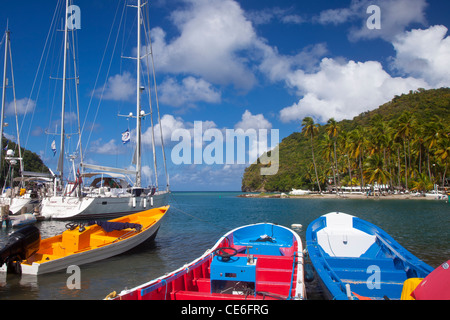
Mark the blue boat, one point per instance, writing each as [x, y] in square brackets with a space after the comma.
[356, 260]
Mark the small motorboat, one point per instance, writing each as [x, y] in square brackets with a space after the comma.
[22, 220]
[356, 260]
[26, 253]
[254, 262]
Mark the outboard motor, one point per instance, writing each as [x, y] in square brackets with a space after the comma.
[21, 245]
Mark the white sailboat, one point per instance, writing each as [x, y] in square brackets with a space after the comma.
[16, 199]
[110, 195]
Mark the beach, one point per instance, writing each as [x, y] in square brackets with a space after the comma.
[354, 196]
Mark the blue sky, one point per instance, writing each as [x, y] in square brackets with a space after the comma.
[249, 64]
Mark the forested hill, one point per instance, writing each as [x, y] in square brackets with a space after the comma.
[32, 162]
[403, 143]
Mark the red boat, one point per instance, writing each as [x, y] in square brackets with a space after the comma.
[255, 262]
[436, 286]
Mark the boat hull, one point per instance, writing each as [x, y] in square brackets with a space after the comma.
[273, 271]
[72, 208]
[355, 259]
[100, 252]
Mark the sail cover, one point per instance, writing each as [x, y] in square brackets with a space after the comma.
[111, 226]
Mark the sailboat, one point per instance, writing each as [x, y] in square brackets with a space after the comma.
[110, 195]
[16, 199]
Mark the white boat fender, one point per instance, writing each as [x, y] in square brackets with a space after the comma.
[296, 226]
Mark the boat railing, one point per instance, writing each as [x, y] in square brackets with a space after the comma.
[328, 268]
[401, 254]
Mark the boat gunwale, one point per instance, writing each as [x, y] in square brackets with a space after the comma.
[155, 284]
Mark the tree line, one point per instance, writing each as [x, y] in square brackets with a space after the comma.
[405, 153]
[403, 144]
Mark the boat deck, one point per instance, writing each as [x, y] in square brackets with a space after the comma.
[372, 278]
[273, 281]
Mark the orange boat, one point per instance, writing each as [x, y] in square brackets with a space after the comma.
[25, 253]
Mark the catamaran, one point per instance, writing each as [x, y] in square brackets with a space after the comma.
[110, 195]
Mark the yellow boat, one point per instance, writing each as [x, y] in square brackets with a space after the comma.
[80, 244]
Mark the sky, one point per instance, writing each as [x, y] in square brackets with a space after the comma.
[221, 65]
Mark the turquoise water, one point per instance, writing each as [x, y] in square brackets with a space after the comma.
[196, 221]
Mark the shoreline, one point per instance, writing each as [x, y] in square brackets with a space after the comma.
[352, 196]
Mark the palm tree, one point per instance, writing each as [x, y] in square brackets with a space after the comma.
[405, 127]
[311, 129]
[443, 153]
[332, 129]
[423, 183]
[375, 170]
[358, 137]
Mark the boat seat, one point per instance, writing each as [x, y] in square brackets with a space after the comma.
[344, 243]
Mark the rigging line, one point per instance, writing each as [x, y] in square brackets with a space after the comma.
[15, 109]
[155, 165]
[76, 95]
[157, 104]
[37, 72]
[99, 71]
[58, 66]
[52, 69]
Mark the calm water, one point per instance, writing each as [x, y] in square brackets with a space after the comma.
[197, 220]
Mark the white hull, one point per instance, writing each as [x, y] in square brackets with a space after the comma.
[67, 208]
[16, 205]
[89, 256]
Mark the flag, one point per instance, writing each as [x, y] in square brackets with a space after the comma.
[126, 137]
[54, 147]
[79, 179]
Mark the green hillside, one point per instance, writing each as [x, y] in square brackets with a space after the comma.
[32, 162]
[403, 143]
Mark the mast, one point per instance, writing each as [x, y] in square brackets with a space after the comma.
[138, 98]
[63, 104]
[5, 69]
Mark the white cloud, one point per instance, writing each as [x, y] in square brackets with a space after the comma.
[24, 106]
[277, 66]
[396, 16]
[424, 54]
[168, 124]
[343, 90]
[186, 93]
[250, 121]
[266, 16]
[121, 87]
[212, 36]
[110, 147]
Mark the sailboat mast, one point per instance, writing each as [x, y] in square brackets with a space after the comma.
[63, 104]
[138, 98]
[5, 69]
